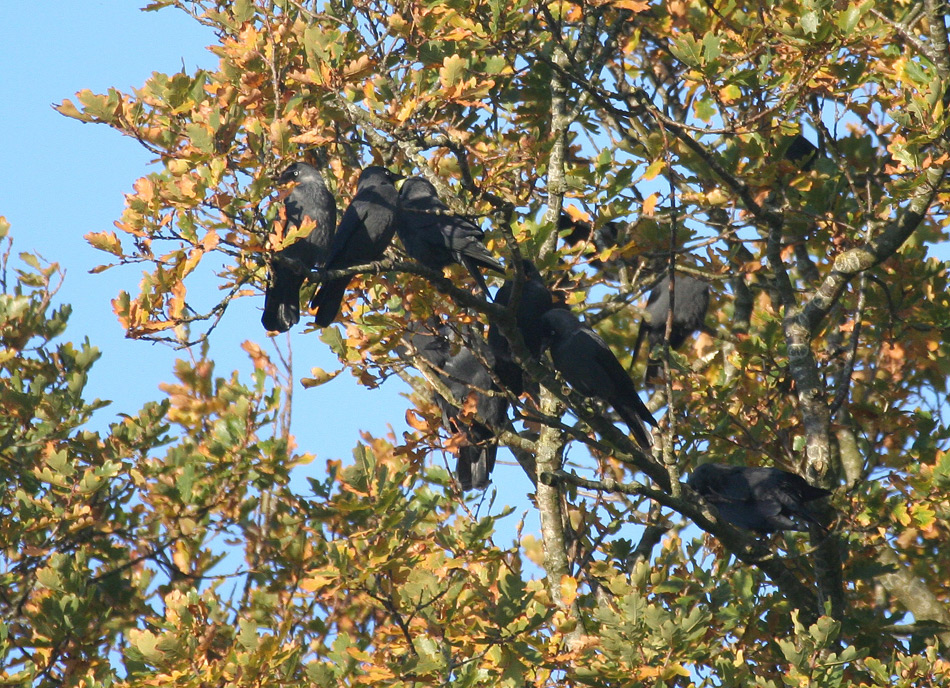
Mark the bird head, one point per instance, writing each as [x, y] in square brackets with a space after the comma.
[297, 172]
[376, 174]
[417, 188]
[701, 479]
[558, 323]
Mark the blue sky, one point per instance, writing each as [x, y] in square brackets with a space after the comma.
[62, 179]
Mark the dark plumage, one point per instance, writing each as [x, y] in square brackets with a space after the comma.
[604, 237]
[802, 152]
[607, 236]
[759, 499]
[310, 199]
[435, 237]
[366, 229]
[590, 367]
[535, 301]
[430, 341]
[465, 374]
[689, 311]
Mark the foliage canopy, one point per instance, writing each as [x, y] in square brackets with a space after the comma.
[173, 550]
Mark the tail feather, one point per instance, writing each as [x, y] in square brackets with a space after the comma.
[475, 256]
[634, 418]
[642, 330]
[653, 365]
[483, 258]
[803, 512]
[474, 466]
[328, 299]
[282, 302]
[472, 266]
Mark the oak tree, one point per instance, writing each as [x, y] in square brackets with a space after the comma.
[791, 154]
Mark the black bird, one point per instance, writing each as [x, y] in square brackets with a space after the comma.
[604, 237]
[802, 152]
[590, 367]
[435, 237]
[607, 236]
[290, 266]
[365, 231]
[535, 301]
[465, 374]
[759, 499]
[689, 312]
[430, 341]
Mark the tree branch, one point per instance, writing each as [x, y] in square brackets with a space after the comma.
[876, 250]
[556, 565]
[913, 593]
[695, 508]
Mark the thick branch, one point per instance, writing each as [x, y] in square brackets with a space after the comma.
[937, 23]
[696, 509]
[559, 123]
[875, 251]
[556, 565]
[816, 419]
[912, 593]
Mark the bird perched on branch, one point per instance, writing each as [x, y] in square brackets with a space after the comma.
[590, 367]
[759, 499]
[364, 233]
[535, 301]
[607, 236]
[435, 237]
[690, 303]
[309, 200]
[802, 152]
[467, 377]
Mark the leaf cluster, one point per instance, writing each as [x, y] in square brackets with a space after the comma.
[678, 122]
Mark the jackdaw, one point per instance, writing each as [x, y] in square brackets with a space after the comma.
[759, 499]
[590, 367]
[802, 152]
[604, 237]
[607, 236]
[435, 237]
[310, 199]
[464, 374]
[366, 229]
[535, 301]
[689, 312]
[430, 341]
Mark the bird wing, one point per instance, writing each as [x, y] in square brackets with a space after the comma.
[692, 302]
[658, 302]
[467, 243]
[616, 379]
[583, 363]
[780, 496]
[425, 211]
[729, 487]
[352, 219]
[745, 516]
